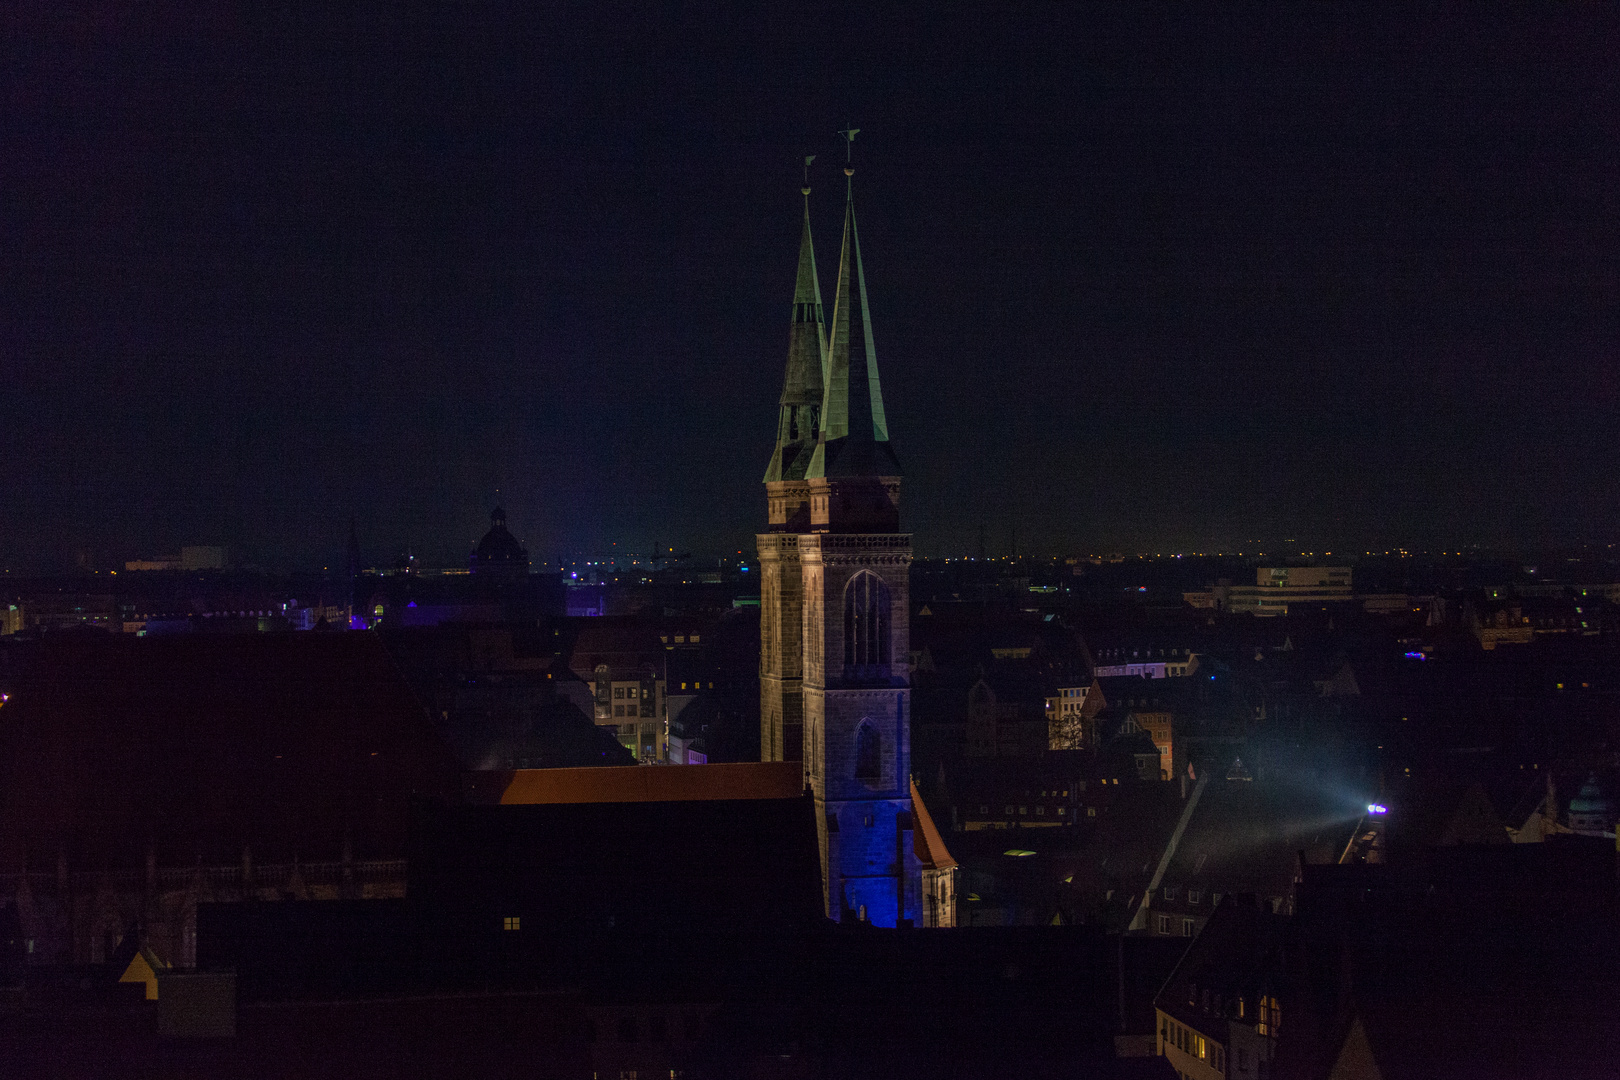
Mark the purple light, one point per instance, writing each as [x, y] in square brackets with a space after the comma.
[1376, 809]
[1416, 656]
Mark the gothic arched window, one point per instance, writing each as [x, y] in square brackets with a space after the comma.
[866, 620]
[868, 753]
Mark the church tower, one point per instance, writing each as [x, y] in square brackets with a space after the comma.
[840, 527]
[781, 668]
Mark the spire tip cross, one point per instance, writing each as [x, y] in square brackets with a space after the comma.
[849, 134]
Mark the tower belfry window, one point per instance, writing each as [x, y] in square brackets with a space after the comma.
[868, 753]
[866, 620]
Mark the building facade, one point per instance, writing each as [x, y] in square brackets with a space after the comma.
[835, 686]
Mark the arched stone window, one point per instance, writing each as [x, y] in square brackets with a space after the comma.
[868, 753]
[866, 620]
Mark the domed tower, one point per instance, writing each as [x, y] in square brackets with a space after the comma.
[499, 556]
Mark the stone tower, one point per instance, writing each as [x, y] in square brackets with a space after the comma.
[854, 601]
[781, 668]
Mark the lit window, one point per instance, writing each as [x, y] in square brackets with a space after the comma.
[1061, 811]
[1091, 811]
[512, 922]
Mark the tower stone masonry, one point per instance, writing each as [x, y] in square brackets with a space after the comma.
[835, 600]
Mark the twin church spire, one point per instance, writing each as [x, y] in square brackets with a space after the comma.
[831, 421]
[799, 416]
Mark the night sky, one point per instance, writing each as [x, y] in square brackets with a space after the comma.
[1142, 277]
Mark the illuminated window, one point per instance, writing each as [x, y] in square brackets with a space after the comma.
[1270, 1017]
[512, 922]
[618, 691]
[1062, 811]
[1091, 811]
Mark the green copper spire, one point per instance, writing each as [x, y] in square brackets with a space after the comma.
[854, 438]
[799, 417]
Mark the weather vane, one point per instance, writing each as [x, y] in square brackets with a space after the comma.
[808, 159]
[849, 134]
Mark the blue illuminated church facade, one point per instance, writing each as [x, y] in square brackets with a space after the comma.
[835, 688]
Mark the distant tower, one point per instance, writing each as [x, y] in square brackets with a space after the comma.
[781, 700]
[354, 567]
[499, 556]
[854, 568]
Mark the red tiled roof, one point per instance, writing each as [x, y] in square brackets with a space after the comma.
[925, 838]
[673, 783]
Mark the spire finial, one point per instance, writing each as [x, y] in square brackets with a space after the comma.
[849, 134]
[807, 160]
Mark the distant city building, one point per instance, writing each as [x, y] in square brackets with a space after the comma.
[1168, 664]
[499, 555]
[1275, 588]
[632, 704]
[204, 558]
[1066, 717]
[153, 564]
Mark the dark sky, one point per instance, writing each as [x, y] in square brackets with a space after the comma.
[1142, 277]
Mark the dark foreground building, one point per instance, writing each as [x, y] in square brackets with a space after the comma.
[576, 939]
